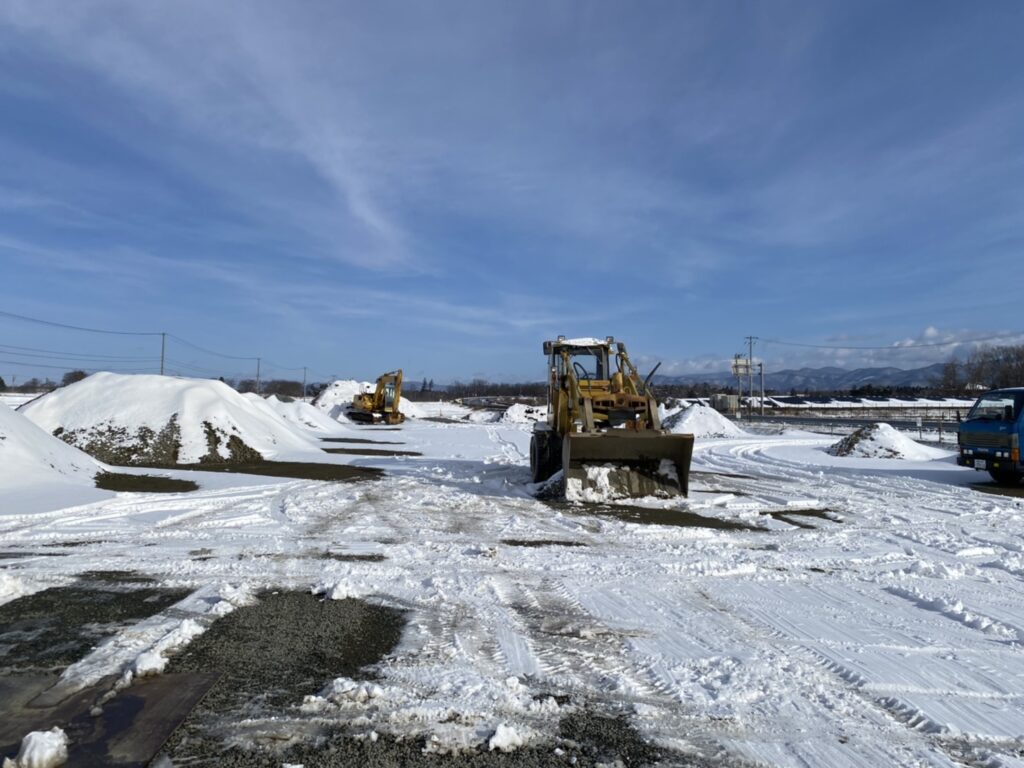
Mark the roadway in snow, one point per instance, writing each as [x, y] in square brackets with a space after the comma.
[863, 612]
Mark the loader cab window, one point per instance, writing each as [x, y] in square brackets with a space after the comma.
[590, 363]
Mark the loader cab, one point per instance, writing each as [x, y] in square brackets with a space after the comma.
[588, 363]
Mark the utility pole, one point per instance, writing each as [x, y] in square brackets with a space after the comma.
[760, 365]
[163, 350]
[750, 374]
[303, 382]
[258, 375]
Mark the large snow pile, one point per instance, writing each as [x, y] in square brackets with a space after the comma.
[163, 420]
[336, 399]
[31, 458]
[297, 413]
[524, 414]
[701, 421]
[881, 441]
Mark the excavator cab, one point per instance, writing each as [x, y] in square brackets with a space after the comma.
[603, 431]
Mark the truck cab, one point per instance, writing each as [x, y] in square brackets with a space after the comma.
[990, 436]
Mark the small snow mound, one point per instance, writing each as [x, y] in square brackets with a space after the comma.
[505, 738]
[10, 587]
[881, 441]
[701, 421]
[523, 414]
[484, 417]
[164, 419]
[41, 749]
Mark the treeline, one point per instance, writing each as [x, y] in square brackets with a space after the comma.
[481, 388]
[985, 368]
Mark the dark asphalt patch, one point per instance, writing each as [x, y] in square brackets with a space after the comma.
[270, 655]
[353, 557]
[541, 543]
[112, 481]
[51, 629]
[360, 441]
[587, 740]
[647, 516]
[369, 452]
[291, 644]
[22, 555]
[294, 469]
[127, 733]
[790, 516]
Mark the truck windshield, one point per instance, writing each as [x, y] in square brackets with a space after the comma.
[993, 405]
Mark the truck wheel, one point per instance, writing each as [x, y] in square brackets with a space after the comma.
[1005, 476]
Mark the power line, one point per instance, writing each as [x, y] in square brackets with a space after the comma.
[207, 351]
[65, 367]
[75, 327]
[72, 356]
[894, 346]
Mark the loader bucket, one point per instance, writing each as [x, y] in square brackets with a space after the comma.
[622, 465]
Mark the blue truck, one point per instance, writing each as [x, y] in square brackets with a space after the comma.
[990, 437]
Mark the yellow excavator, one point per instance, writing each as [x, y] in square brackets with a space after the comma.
[381, 405]
[603, 431]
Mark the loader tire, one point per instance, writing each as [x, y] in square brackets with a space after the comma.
[544, 459]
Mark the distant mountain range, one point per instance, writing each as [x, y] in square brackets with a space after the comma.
[829, 379]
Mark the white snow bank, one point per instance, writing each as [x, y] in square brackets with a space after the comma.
[39, 473]
[28, 455]
[881, 441]
[524, 414]
[702, 421]
[41, 749]
[336, 399]
[298, 414]
[118, 408]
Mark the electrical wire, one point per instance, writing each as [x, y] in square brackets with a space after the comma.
[72, 357]
[75, 327]
[207, 351]
[88, 370]
[47, 354]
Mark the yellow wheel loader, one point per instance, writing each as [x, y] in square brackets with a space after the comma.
[381, 405]
[603, 431]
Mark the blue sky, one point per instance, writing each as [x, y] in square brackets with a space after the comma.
[441, 186]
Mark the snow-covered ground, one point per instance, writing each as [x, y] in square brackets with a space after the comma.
[859, 612]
